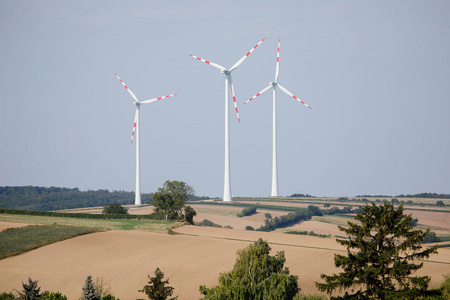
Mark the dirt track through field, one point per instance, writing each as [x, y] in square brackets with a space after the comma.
[190, 259]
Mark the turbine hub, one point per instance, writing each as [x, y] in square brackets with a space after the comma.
[136, 103]
[226, 72]
[274, 84]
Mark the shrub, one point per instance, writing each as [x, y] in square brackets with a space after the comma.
[189, 214]
[249, 228]
[114, 209]
[248, 211]
[7, 296]
[209, 223]
[431, 238]
[297, 232]
[53, 296]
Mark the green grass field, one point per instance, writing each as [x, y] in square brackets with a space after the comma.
[47, 230]
[146, 225]
[14, 241]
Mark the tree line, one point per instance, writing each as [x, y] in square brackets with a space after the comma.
[420, 195]
[56, 198]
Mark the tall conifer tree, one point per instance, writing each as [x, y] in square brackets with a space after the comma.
[382, 254]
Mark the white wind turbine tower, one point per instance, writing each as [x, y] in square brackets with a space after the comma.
[228, 86]
[274, 85]
[137, 199]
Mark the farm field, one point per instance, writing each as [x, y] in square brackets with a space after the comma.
[133, 249]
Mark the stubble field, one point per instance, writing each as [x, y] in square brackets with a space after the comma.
[196, 256]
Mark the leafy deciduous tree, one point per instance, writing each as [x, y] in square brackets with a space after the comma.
[156, 288]
[7, 296]
[381, 254]
[255, 275]
[171, 198]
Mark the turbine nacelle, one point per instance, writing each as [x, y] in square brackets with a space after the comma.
[137, 103]
[226, 72]
[273, 84]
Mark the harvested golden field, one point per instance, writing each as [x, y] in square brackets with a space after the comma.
[190, 259]
[194, 257]
[5, 225]
[227, 215]
[434, 220]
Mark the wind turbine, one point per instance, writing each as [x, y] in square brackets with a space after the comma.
[228, 86]
[137, 199]
[274, 85]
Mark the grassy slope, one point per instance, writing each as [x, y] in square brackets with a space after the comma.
[15, 241]
[146, 225]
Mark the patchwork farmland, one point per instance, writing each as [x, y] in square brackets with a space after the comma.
[125, 254]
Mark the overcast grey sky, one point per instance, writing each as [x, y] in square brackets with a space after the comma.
[376, 74]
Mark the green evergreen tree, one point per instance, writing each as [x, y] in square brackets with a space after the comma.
[381, 253]
[255, 275]
[89, 290]
[31, 291]
[156, 288]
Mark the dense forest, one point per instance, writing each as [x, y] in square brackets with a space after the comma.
[55, 198]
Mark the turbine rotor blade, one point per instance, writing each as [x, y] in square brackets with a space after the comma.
[277, 70]
[209, 63]
[156, 99]
[292, 95]
[129, 91]
[134, 125]
[260, 93]
[234, 97]
[245, 56]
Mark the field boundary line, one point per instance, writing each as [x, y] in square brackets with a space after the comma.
[272, 243]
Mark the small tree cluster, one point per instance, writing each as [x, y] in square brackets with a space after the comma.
[290, 219]
[171, 198]
[248, 211]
